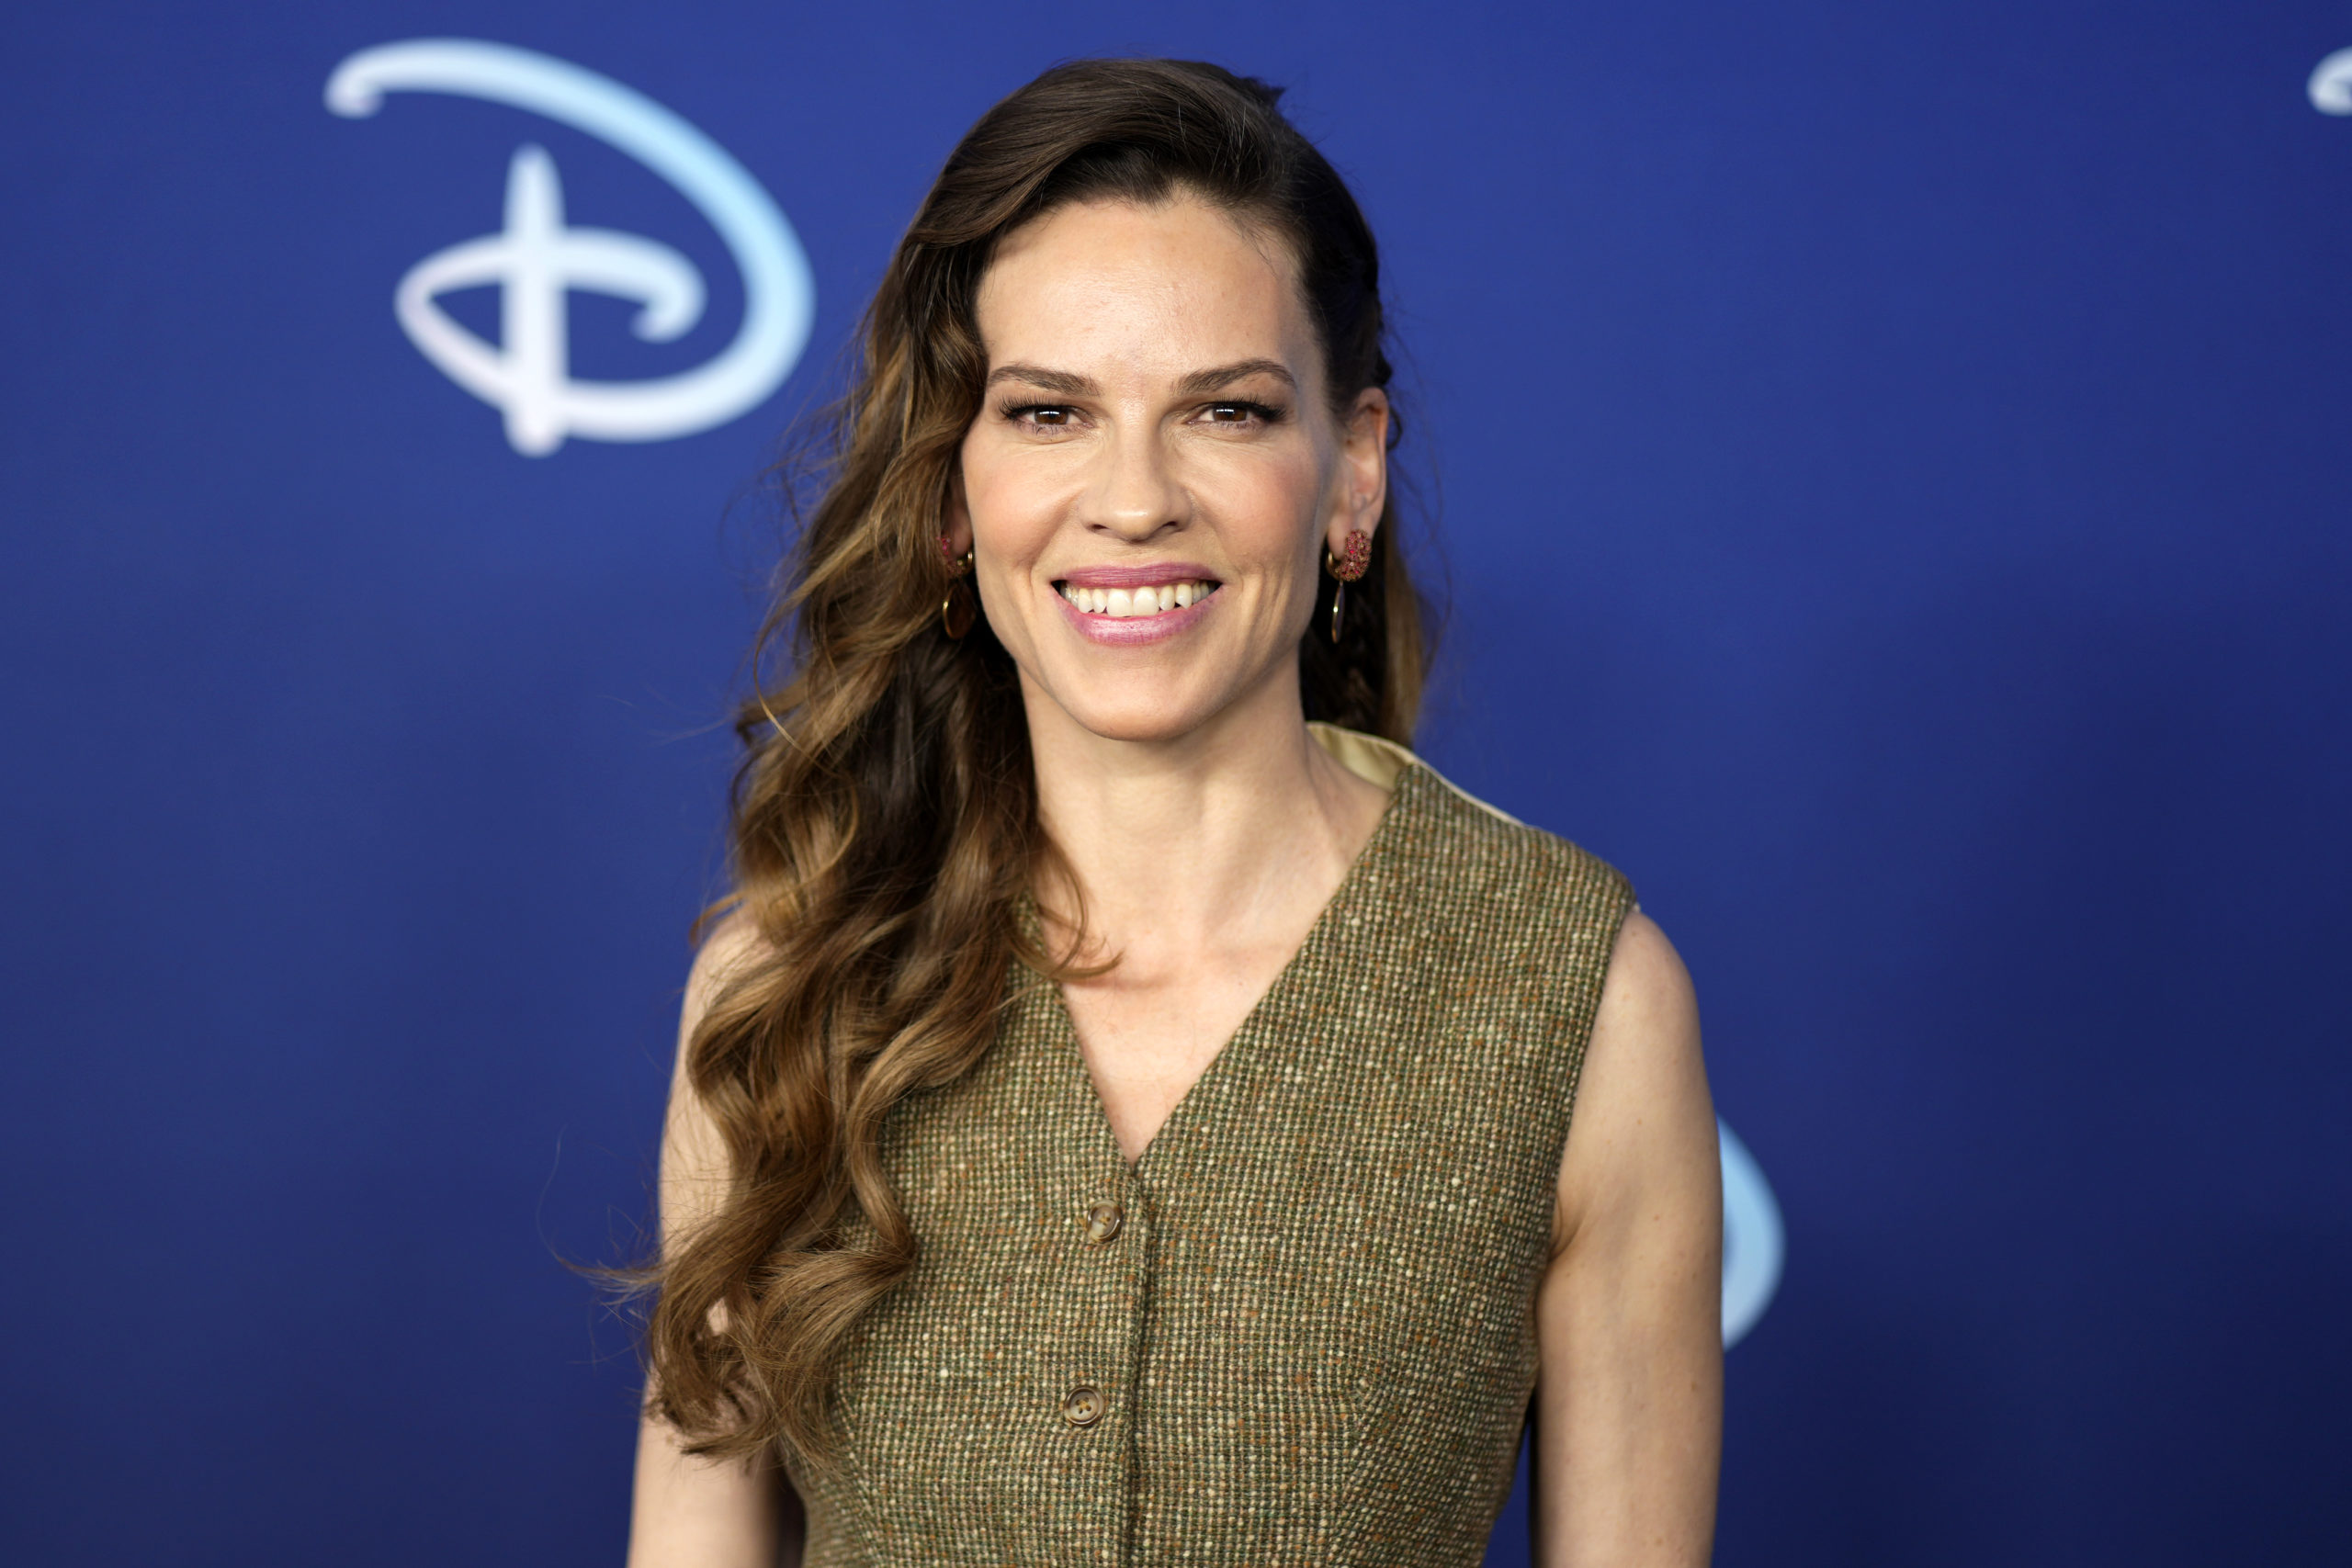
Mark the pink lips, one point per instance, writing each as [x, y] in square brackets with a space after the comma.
[1135, 631]
[1139, 576]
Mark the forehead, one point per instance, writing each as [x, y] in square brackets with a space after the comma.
[1173, 286]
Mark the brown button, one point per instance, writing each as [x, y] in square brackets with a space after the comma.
[1084, 1406]
[1102, 1222]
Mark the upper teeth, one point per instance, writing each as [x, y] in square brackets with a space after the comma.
[1123, 603]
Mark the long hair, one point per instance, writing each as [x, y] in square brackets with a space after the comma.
[884, 817]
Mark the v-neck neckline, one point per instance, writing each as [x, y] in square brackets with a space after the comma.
[1234, 1057]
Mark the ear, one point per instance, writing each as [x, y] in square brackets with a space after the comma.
[955, 517]
[1360, 490]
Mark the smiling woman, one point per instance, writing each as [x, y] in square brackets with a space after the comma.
[1124, 1112]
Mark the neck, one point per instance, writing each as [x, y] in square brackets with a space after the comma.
[1185, 844]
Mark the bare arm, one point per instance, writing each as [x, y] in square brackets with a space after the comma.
[689, 1512]
[1629, 1402]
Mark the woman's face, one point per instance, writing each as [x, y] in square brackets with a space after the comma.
[1154, 471]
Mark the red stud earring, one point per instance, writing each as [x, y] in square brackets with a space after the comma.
[1346, 567]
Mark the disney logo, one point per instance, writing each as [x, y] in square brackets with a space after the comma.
[536, 259]
[2331, 84]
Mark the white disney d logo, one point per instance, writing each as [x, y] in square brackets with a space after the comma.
[2331, 87]
[535, 260]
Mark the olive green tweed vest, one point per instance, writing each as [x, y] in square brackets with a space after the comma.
[1299, 1330]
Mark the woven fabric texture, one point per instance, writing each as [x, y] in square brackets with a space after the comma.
[1311, 1339]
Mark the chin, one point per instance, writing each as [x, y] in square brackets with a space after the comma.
[1145, 714]
[1141, 725]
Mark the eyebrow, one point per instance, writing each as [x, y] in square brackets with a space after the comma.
[1068, 384]
[1202, 381]
[1065, 382]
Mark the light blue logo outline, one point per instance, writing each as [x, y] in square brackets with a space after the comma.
[543, 405]
[2331, 84]
[1754, 1242]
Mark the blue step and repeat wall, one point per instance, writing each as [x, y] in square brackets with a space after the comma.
[1890, 465]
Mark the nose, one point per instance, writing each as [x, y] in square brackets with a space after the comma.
[1135, 496]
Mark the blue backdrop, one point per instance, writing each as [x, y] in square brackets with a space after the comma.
[1894, 463]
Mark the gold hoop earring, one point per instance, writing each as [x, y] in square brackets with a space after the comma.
[958, 609]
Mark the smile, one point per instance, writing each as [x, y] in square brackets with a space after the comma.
[1133, 602]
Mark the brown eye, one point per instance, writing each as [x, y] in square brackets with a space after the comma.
[1242, 413]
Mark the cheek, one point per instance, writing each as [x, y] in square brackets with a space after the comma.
[1007, 499]
[1274, 508]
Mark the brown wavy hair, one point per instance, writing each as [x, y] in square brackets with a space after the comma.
[884, 817]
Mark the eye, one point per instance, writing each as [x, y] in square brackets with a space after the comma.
[1241, 415]
[1041, 416]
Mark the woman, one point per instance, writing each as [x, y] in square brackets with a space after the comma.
[1125, 1115]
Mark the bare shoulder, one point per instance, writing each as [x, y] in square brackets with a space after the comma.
[1643, 1129]
[730, 947]
[1648, 993]
[695, 1163]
